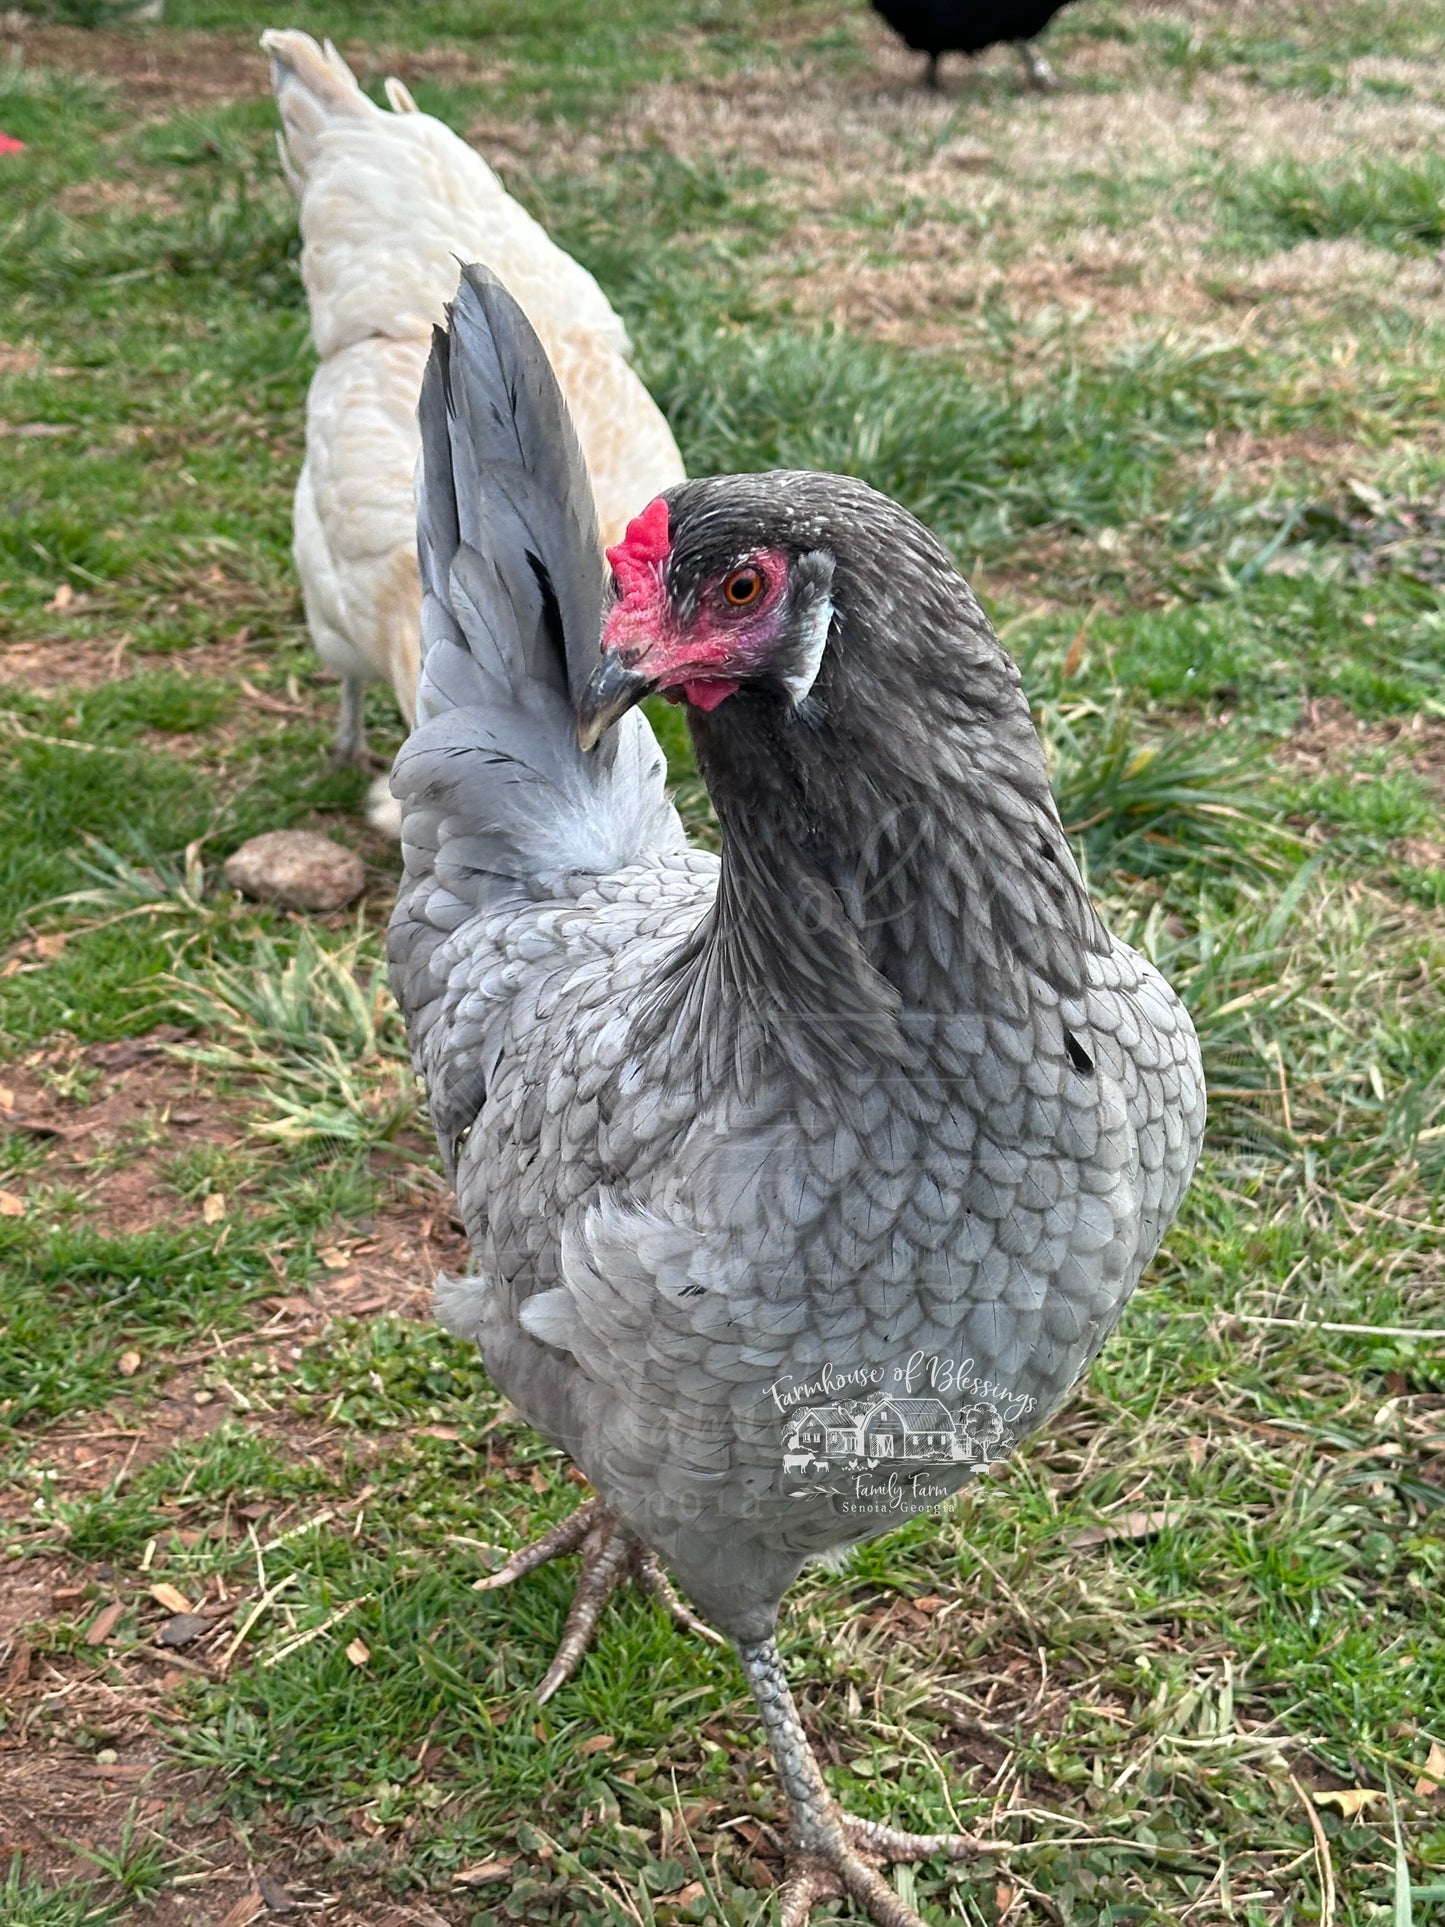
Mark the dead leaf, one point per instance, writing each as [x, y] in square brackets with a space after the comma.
[358, 1652]
[272, 705]
[1431, 1783]
[214, 1208]
[1003, 1898]
[685, 1896]
[11, 1206]
[1351, 1801]
[244, 1912]
[333, 1259]
[50, 946]
[61, 600]
[168, 1596]
[929, 1603]
[7, 1098]
[1076, 650]
[1125, 1525]
[104, 1623]
[483, 1873]
[128, 1364]
[599, 1743]
[18, 1671]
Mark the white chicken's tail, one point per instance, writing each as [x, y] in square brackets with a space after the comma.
[314, 88]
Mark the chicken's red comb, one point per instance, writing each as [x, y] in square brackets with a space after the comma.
[647, 542]
[9, 145]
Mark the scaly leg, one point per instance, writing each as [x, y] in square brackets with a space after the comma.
[1037, 70]
[829, 1851]
[610, 1554]
[348, 746]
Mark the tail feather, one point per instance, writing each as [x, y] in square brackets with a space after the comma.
[498, 802]
[314, 87]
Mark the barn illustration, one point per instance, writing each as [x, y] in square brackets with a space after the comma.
[852, 1435]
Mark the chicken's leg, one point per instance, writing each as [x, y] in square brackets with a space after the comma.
[1037, 70]
[829, 1851]
[610, 1554]
[348, 746]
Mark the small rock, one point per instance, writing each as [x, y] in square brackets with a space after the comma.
[297, 869]
[182, 1629]
[107, 1756]
[277, 1900]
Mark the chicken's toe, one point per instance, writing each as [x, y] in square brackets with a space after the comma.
[847, 1866]
[652, 1579]
[553, 1544]
[607, 1552]
[610, 1554]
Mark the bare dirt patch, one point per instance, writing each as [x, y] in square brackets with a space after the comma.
[119, 198]
[199, 69]
[112, 1148]
[95, 1663]
[1330, 736]
[46, 664]
[189, 69]
[907, 211]
[84, 1770]
[19, 361]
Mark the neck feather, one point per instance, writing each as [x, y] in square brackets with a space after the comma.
[886, 862]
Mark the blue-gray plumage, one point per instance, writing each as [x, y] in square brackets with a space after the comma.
[804, 1181]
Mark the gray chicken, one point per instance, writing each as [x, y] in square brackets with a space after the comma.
[802, 1183]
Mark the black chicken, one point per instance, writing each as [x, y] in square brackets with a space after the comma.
[938, 27]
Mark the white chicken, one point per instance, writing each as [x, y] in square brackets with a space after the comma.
[390, 203]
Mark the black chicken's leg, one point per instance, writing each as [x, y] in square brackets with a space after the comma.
[829, 1851]
[930, 74]
[1037, 70]
[610, 1554]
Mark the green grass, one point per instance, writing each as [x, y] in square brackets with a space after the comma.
[1389, 202]
[1216, 1580]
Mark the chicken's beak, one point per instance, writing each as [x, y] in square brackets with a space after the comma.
[610, 693]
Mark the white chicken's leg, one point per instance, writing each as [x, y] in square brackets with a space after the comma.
[1037, 70]
[348, 747]
[829, 1851]
[610, 1554]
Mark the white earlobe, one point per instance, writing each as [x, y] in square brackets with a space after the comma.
[812, 641]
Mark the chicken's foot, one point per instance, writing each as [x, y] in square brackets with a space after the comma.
[610, 1554]
[830, 1853]
[1037, 70]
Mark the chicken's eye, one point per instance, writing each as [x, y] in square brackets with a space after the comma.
[743, 588]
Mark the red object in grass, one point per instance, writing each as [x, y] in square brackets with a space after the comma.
[9, 145]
